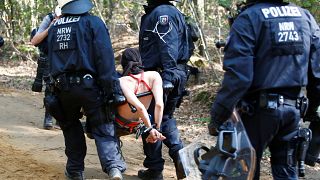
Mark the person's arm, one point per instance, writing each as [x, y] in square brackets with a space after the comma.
[158, 97]
[132, 99]
[104, 59]
[238, 66]
[42, 32]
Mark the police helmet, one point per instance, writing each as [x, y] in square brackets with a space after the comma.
[57, 11]
[75, 6]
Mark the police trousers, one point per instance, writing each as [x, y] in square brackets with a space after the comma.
[314, 146]
[169, 128]
[274, 128]
[90, 99]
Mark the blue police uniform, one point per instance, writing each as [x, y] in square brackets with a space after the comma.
[269, 50]
[163, 44]
[82, 64]
[312, 115]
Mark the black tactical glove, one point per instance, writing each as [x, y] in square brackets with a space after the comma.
[219, 115]
[37, 85]
[167, 86]
[213, 129]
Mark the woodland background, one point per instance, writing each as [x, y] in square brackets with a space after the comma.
[21, 111]
[19, 17]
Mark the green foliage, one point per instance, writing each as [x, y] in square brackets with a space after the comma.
[225, 3]
[312, 5]
[19, 17]
[203, 120]
[23, 48]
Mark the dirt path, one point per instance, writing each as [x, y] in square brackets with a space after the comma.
[29, 152]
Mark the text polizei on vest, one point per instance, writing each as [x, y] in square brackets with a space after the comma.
[281, 11]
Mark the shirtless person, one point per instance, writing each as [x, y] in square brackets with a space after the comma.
[139, 88]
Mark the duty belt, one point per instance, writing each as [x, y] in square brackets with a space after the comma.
[273, 101]
[63, 81]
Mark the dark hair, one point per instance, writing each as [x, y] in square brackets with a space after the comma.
[131, 61]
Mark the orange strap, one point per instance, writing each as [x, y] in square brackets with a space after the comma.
[141, 79]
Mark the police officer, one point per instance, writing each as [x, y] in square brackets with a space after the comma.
[82, 67]
[313, 117]
[163, 44]
[272, 49]
[39, 39]
[314, 147]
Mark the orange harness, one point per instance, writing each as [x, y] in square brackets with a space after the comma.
[133, 126]
[140, 80]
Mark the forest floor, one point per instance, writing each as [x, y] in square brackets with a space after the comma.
[27, 151]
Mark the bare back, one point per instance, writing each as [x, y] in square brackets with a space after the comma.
[129, 85]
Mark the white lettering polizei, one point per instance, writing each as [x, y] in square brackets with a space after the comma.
[66, 20]
[282, 11]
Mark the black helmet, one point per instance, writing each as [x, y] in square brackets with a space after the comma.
[75, 6]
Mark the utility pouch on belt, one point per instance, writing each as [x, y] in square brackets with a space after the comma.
[268, 101]
[52, 104]
[62, 82]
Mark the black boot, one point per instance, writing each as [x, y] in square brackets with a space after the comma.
[47, 122]
[179, 168]
[74, 176]
[150, 174]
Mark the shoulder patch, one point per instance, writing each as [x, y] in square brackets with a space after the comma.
[164, 19]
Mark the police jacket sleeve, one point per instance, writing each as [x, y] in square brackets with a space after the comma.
[238, 66]
[313, 87]
[168, 44]
[104, 59]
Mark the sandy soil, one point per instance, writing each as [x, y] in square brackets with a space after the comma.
[29, 152]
